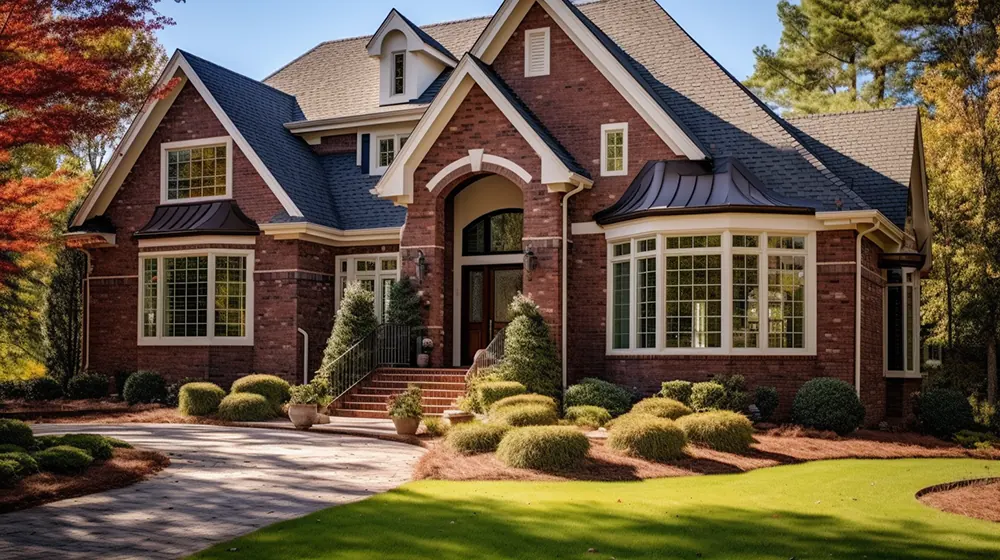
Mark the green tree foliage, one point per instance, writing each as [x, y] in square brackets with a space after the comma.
[64, 315]
[355, 319]
[529, 354]
[404, 304]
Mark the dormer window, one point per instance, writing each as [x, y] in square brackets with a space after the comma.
[398, 73]
[409, 61]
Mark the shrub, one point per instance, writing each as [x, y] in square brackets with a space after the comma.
[530, 398]
[647, 437]
[200, 399]
[722, 430]
[545, 448]
[828, 404]
[15, 432]
[173, 399]
[95, 445]
[64, 459]
[45, 442]
[9, 476]
[473, 438]
[588, 415]
[597, 392]
[404, 304]
[11, 448]
[42, 389]
[492, 391]
[707, 395]
[26, 464]
[966, 438]
[678, 390]
[524, 415]
[11, 389]
[530, 356]
[144, 387]
[309, 393]
[117, 443]
[736, 397]
[88, 386]
[271, 387]
[435, 427]
[661, 408]
[944, 412]
[985, 414]
[355, 319]
[408, 404]
[766, 399]
[245, 407]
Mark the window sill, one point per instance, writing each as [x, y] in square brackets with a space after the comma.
[622, 173]
[199, 341]
[903, 375]
[711, 352]
[194, 199]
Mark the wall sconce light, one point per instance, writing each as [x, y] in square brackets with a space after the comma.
[421, 267]
[530, 260]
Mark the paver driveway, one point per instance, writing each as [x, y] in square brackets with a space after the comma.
[222, 482]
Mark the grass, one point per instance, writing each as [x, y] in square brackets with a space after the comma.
[827, 509]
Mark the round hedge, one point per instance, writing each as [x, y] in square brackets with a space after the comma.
[707, 395]
[144, 387]
[545, 448]
[26, 464]
[9, 476]
[524, 415]
[88, 386]
[597, 392]
[42, 389]
[245, 407]
[722, 430]
[492, 391]
[518, 400]
[661, 408]
[45, 442]
[16, 432]
[474, 438]
[766, 399]
[677, 390]
[11, 448]
[648, 437]
[63, 459]
[273, 388]
[96, 446]
[828, 404]
[944, 412]
[200, 399]
[587, 415]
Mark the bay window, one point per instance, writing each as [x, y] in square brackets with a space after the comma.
[376, 273]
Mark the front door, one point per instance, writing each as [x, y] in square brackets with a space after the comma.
[486, 295]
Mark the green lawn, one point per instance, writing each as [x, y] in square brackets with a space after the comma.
[832, 509]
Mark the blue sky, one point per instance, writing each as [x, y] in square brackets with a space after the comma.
[256, 37]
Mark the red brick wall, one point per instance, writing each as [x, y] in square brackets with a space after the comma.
[872, 342]
[339, 144]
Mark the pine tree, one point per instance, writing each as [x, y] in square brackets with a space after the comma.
[64, 316]
[404, 304]
[530, 356]
[354, 321]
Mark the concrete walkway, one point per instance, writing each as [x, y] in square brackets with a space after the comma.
[222, 483]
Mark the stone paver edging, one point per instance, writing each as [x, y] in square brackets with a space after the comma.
[222, 482]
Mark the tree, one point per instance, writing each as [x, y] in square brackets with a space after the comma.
[354, 321]
[530, 356]
[404, 304]
[64, 316]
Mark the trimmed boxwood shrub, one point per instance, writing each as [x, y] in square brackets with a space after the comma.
[95, 445]
[174, 390]
[587, 415]
[661, 408]
[545, 448]
[707, 395]
[88, 386]
[944, 412]
[766, 399]
[144, 387]
[9, 476]
[828, 404]
[16, 432]
[26, 464]
[524, 415]
[736, 397]
[493, 391]
[647, 437]
[597, 392]
[64, 459]
[722, 430]
[42, 389]
[678, 390]
[200, 399]
[273, 388]
[473, 438]
[518, 400]
[245, 407]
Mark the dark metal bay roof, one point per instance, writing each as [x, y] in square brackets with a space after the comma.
[690, 187]
[221, 217]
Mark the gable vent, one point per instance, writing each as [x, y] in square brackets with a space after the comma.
[536, 52]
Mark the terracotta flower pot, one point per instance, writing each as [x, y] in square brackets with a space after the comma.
[406, 426]
[423, 360]
[303, 415]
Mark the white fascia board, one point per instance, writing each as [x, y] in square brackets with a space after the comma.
[332, 236]
[850, 219]
[399, 116]
[396, 22]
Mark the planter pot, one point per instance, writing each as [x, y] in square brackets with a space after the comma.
[423, 360]
[303, 415]
[406, 426]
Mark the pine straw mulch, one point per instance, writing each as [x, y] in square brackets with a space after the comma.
[981, 501]
[780, 446]
[141, 414]
[125, 468]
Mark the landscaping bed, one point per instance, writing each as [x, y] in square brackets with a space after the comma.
[66, 408]
[978, 499]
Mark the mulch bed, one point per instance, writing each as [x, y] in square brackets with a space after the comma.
[774, 447]
[26, 410]
[125, 468]
[979, 499]
[139, 414]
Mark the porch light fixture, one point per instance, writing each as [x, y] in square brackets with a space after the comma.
[421, 267]
[530, 260]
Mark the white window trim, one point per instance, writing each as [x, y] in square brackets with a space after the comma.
[211, 339]
[379, 275]
[544, 31]
[914, 308]
[397, 138]
[226, 141]
[726, 251]
[605, 129]
[392, 75]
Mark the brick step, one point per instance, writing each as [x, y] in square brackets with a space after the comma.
[354, 405]
[414, 378]
[386, 391]
[371, 413]
[365, 397]
[402, 385]
[424, 371]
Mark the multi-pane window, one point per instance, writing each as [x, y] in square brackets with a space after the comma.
[614, 149]
[386, 151]
[902, 321]
[186, 304]
[645, 293]
[694, 291]
[150, 297]
[196, 172]
[495, 233]
[621, 302]
[376, 273]
[786, 301]
[398, 73]
[230, 296]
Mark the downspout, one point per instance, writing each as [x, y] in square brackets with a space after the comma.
[86, 315]
[565, 275]
[305, 356]
[857, 308]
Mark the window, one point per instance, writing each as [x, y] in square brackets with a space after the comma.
[902, 320]
[399, 73]
[536, 52]
[614, 149]
[386, 148]
[376, 273]
[199, 169]
[197, 298]
[495, 233]
[702, 293]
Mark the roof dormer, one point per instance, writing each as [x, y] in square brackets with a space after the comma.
[409, 59]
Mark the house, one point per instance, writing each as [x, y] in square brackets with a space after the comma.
[668, 223]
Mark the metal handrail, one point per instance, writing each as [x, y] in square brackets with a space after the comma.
[488, 357]
[387, 345]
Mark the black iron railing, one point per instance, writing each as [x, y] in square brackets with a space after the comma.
[488, 357]
[386, 346]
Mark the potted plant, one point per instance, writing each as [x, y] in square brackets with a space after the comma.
[424, 358]
[303, 408]
[406, 410]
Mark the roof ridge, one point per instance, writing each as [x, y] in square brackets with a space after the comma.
[259, 82]
[852, 112]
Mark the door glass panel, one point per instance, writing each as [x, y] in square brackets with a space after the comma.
[475, 296]
[506, 284]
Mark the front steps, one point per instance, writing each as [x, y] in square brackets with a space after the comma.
[441, 387]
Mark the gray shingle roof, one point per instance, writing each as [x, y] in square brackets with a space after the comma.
[356, 206]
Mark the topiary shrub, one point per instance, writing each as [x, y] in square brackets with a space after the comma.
[678, 390]
[530, 356]
[524, 415]
[11, 389]
[200, 399]
[493, 391]
[245, 407]
[828, 404]
[26, 464]
[944, 412]
[271, 387]
[530, 398]
[647, 437]
[766, 399]
[588, 416]
[708, 395]
[722, 430]
[88, 386]
[145, 387]
[95, 445]
[544, 448]
[661, 408]
[597, 392]
[9, 476]
[355, 320]
[42, 389]
[64, 459]
[173, 399]
[16, 432]
[474, 438]
[11, 448]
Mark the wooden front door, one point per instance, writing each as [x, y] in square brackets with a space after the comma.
[487, 291]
